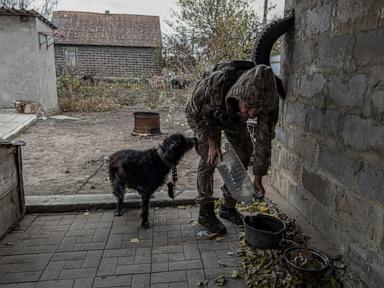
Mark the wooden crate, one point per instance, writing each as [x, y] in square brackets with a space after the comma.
[12, 204]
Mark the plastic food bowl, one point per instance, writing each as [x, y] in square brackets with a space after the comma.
[309, 263]
[263, 231]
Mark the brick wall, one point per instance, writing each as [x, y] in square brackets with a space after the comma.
[108, 62]
[328, 153]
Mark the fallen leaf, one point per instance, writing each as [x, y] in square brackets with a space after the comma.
[192, 222]
[86, 213]
[234, 274]
[264, 209]
[134, 240]
[263, 204]
[242, 243]
[9, 244]
[221, 263]
[339, 264]
[230, 253]
[220, 280]
[212, 235]
[219, 238]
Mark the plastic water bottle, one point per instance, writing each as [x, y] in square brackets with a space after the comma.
[235, 177]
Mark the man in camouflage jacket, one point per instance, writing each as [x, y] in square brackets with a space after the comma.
[214, 108]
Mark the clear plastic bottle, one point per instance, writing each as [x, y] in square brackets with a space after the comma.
[235, 177]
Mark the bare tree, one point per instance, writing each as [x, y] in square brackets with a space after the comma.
[44, 7]
[207, 31]
[17, 4]
[47, 7]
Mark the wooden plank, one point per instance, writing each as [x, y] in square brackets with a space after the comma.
[8, 169]
[11, 190]
[9, 211]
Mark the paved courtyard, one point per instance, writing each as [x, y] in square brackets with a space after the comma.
[96, 249]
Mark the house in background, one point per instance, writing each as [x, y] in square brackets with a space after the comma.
[27, 62]
[107, 46]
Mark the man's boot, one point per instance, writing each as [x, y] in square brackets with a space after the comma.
[231, 214]
[208, 219]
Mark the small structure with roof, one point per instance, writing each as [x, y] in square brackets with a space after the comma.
[107, 46]
[27, 62]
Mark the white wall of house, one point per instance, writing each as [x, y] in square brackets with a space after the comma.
[47, 69]
[27, 69]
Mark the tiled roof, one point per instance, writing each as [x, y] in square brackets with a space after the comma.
[86, 28]
[24, 13]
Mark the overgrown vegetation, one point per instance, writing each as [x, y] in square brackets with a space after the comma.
[76, 95]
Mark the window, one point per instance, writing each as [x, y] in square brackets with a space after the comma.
[71, 58]
[45, 40]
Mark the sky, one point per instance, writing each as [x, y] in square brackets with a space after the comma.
[142, 7]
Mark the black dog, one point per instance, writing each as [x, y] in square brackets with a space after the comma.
[145, 170]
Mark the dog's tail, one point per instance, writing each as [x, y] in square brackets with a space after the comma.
[114, 164]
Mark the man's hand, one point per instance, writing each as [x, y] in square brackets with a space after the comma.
[213, 152]
[260, 192]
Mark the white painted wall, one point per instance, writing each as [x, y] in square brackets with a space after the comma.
[27, 71]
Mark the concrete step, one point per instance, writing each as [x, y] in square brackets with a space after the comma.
[12, 123]
[69, 203]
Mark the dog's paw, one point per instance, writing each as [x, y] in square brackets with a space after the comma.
[145, 225]
[118, 213]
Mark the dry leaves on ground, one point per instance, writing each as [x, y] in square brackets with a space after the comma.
[265, 268]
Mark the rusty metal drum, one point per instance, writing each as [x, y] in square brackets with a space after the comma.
[146, 123]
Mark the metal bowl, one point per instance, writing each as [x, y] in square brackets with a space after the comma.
[302, 271]
[263, 231]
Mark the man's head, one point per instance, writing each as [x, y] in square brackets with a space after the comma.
[255, 91]
[246, 112]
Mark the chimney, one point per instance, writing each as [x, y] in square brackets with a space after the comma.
[106, 11]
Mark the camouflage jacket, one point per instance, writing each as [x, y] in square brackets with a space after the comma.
[212, 109]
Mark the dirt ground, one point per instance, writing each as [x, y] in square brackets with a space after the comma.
[66, 156]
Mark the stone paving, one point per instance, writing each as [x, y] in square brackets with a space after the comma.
[97, 249]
